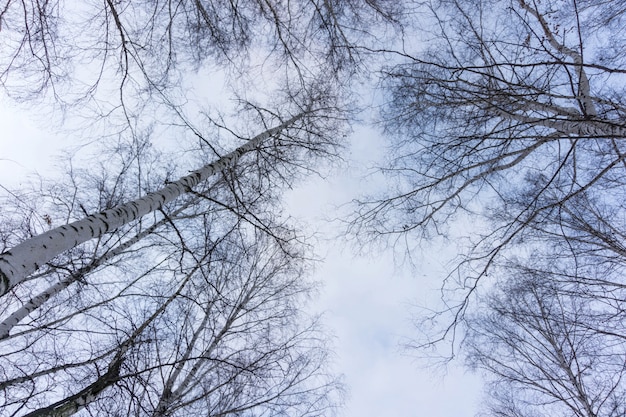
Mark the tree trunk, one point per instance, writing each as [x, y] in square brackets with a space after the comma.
[78, 401]
[22, 260]
[37, 301]
[74, 403]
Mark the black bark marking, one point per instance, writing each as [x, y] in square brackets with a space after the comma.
[5, 283]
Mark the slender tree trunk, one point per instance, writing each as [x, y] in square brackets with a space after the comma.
[74, 403]
[25, 258]
[78, 401]
[589, 128]
[170, 394]
[37, 301]
[583, 81]
[162, 408]
[584, 128]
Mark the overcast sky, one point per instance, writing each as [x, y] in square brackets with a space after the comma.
[367, 300]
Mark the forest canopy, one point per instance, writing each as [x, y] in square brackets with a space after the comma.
[159, 274]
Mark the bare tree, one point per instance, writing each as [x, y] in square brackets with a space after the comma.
[512, 114]
[121, 60]
[122, 315]
[550, 346]
[25, 258]
[196, 307]
[129, 292]
[224, 335]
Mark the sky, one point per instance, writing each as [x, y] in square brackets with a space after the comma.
[367, 300]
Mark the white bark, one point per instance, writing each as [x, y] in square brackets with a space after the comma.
[586, 128]
[584, 89]
[33, 304]
[37, 301]
[77, 402]
[74, 403]
[22, 260]
[167, 398]
[575, 128]
[169, 393]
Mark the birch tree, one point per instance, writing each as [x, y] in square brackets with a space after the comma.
[153, 295]
[87, 324]
[25, 258]
[550, 345]
[295, 143]
[512, 113]
[194, 306]
[220, 332]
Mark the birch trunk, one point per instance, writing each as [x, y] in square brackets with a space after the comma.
[25, 258]
[584, 88]
[169, 393]
[71, 405]
[78, 401]
[593, 128]
[37, 301]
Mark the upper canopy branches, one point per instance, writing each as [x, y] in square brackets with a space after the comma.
[78, 47]
[512, 113]
[504, 90]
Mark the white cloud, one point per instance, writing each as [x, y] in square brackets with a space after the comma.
[367, 302]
